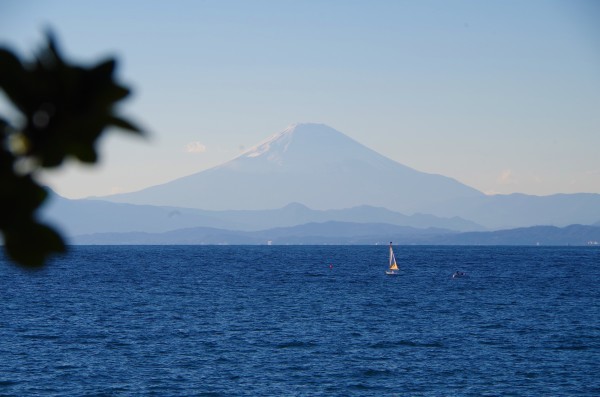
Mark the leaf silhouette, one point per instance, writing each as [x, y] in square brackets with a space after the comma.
[66, 108]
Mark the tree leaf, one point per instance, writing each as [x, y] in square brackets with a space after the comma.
[66, 108]
[125, 125]
[12, 78]
[32, 243]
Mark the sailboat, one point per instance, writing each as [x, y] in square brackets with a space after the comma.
[393, 269]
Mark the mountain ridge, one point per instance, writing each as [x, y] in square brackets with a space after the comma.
[345, 233]
[309, 163]
[331, 232]
[81, 216]
[327, 171]
[521, 210]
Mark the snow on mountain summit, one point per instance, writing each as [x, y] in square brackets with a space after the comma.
[309, 145]
[305, 134]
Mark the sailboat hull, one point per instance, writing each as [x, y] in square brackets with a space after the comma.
[392, 272]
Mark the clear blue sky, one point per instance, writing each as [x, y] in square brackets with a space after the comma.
[502, 95]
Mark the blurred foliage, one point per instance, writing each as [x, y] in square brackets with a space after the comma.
[64, 109]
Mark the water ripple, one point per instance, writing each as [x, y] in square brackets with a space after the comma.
[222, 321]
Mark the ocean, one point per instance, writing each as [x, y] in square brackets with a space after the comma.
[302, 321]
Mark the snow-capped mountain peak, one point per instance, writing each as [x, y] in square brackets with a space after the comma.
[312, 164]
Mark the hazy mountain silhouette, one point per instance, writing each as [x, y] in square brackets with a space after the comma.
[520, 210]
[355, 233]
[312, 164]
[310, 233]
[535, 235]
[76, 217]
[323, 169]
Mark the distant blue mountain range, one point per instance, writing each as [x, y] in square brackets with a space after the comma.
[324, 169]
[521, 210]
[313, 174]
[76, 217]
[354, 233]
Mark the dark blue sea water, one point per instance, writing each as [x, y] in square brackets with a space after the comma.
[277, 321]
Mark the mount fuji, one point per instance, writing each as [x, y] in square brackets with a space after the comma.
[312, 164]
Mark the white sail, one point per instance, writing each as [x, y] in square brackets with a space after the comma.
[393, 265]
